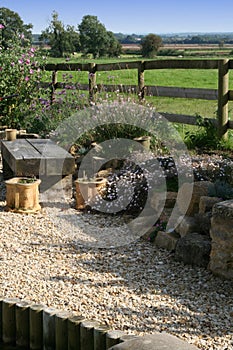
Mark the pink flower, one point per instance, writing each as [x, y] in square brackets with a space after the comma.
[31, 71]
[12, 63]
[27, 78]
[27, 61]
[20, 61]
[2, 26]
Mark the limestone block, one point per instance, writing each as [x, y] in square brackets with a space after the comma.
[188, 225]
[166, 240]
[156, 341]
[203, 222]
[194, 190]
[221, 232]
[158, 200]
[206, 203]
[170, 199]
[193, 249]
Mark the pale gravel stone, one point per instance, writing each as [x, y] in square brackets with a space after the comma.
[136, 288]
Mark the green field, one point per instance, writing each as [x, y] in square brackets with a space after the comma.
[189, 78]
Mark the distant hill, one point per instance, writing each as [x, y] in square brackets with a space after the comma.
[172, 38]
[35, 38]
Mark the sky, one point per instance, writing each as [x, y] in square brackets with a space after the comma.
[131, 16]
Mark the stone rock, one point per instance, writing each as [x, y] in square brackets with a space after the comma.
[158, 200]
[156, 341]
[193, 249]
[221, 232]
[188, 225]
[206, 203]
[203, 222]
[166, 240]
[170, 199]
[166, 214]
[191, 192]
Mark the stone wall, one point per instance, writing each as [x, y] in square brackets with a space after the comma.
[221, 233]
[204, 236]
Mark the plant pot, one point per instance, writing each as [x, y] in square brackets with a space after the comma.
[22, 195]
[144, 141]
[11, 134]
[87, 190]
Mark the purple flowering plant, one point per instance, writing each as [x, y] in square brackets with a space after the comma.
[20, 71]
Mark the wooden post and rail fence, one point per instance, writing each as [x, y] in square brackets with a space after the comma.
[223, 95]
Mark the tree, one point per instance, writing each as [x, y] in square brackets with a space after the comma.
[150, 45]
[114, 48]
[96, 40]
[60, 38]
[13, 25]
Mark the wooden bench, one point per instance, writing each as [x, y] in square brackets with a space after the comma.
[42, 158]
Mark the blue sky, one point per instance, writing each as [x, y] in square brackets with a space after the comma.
[131, 16]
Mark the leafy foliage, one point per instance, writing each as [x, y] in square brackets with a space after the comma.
[150, 45]
[96, 40]
[20, 77]
[205, 136]
[61, 39]
[221, 189]
[12, 24]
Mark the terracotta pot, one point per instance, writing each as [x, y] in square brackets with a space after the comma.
[86, 190]
[11, 134]
[22, 195]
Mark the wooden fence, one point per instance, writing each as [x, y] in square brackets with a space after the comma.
[223, 95]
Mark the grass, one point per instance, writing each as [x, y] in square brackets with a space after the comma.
[188, 78]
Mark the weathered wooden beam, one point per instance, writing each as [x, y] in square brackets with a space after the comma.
[223, 84]
[141, 81]
[92, 81]
[117, 66]
[66, 66]
[183, 118]
[171, 91]
[182, 64]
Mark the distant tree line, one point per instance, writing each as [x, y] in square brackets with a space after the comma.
[90, 37]
[199, 39]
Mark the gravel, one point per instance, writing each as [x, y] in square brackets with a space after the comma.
[136, 288]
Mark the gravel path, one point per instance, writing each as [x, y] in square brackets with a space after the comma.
[136, 288]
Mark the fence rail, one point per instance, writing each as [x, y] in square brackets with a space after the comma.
[223, 95]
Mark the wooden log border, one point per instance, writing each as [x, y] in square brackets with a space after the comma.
[37, 327]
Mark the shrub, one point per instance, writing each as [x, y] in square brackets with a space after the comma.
[20, 78]
[205, 137]
[220, 189]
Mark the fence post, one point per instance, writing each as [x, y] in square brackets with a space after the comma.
[92, 81]
[141, 82]
[53, 86]
[223, 79]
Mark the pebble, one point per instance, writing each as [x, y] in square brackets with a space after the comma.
[136, 288]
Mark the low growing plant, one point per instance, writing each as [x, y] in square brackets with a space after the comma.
[221, 189]
[204, 137]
